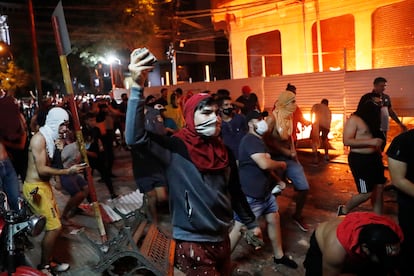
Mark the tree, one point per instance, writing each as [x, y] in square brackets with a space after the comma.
[112, 26]
[15, 80]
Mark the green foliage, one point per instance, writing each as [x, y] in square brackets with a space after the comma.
[15, 80]
[113, 26]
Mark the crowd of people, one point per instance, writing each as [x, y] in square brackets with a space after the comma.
[220, 164]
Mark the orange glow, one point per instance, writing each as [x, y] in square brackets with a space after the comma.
[353, 34]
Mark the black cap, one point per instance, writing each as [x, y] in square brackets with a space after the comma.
[255, 114]
[291, 88]
[179, 90]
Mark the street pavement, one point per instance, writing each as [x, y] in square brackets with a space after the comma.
[331, 184]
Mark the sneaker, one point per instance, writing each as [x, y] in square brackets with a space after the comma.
[301, 224]
[59, 267]
[54, 267]
[340, 211]
[287, 261]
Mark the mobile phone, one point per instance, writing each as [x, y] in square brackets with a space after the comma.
[153, 59]
[83, 164]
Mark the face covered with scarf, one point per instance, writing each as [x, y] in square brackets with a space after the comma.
[54, 127]
[284, 107]
[201, 134]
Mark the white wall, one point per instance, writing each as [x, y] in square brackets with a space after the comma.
[342, 89]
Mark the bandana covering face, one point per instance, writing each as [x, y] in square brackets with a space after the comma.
[208, 128]
[283, 115]
[55, 117]
[207, 154]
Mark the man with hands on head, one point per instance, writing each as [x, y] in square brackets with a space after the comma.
[204, 187]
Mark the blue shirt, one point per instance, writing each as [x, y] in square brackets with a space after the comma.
[254, 181]
[232, 133]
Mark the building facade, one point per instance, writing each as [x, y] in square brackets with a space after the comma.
[271, 38]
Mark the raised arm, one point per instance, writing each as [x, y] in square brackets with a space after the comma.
[134, 125]
[141, 64]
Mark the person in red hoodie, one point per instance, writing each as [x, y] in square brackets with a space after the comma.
[202, 176]
[360, 243]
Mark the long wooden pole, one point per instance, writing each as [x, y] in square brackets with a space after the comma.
[36, 66]
[76, 124]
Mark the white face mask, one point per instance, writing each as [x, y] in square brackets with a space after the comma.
[208, 128]
[261, 127]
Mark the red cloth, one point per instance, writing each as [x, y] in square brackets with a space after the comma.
[246, 89]
[207, 154]
[348, 230]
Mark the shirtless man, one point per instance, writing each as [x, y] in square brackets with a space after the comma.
[37, 189]
[363, 135]
[361, 243]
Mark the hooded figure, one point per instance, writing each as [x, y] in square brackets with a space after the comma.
[55, 117]
[204, 187]
[282, 112]
[207, 153]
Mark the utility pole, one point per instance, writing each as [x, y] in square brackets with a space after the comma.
[172, 56]
[35, 55]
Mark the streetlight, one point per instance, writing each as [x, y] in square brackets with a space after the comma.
[110, 61]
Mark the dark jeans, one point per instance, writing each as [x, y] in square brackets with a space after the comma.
[99, 164]
[313, 259]
[107, 142]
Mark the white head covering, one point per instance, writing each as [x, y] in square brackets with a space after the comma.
[55, 117]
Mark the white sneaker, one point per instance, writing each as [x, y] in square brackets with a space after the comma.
[59, 267]
[53, 268]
